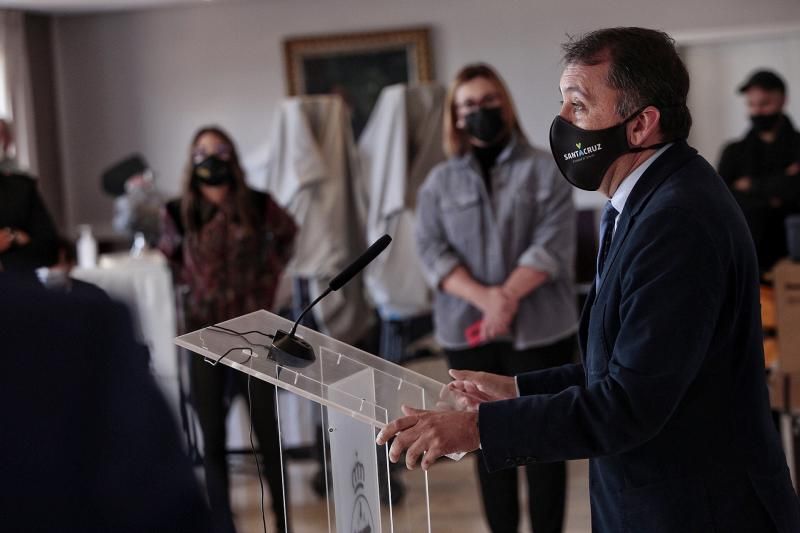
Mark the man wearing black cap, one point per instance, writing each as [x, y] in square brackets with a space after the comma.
[763, 169]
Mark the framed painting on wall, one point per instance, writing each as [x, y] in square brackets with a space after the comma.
[357, 66]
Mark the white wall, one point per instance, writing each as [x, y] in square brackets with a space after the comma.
[145, 80]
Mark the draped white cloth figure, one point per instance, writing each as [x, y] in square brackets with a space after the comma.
[18, 90]
[312, 170]
[400, 144]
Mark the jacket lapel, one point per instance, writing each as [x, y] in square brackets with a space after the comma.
[583, 327]
[667, 164]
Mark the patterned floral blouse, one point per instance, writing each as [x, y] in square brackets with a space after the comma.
[227, 270]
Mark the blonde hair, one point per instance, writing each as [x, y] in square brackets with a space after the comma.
[456, 141]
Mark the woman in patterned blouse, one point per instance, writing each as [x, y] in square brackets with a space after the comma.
[227, 245]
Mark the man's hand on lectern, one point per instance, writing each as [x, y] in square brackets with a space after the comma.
[432, 433]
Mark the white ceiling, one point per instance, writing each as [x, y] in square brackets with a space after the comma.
[84, 6]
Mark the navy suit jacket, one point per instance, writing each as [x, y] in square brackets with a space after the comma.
[87, 441]
[670, 401]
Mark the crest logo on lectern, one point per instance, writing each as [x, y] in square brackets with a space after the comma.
[362, 520]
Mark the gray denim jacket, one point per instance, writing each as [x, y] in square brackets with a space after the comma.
[528, 220]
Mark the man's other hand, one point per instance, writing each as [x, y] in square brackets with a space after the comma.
[473, 388]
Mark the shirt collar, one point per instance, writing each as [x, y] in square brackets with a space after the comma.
[624, 190]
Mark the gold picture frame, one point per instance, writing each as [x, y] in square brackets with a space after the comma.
[357, 65]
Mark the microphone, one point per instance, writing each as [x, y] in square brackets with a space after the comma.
[358, 265]
[290, 350]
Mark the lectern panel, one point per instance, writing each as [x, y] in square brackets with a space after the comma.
[359, 394]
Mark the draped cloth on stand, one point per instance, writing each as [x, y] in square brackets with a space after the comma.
[400, 144]
[14, 62]
[312, 170]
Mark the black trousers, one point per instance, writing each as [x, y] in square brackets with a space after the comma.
[546, 482]
[212, 387]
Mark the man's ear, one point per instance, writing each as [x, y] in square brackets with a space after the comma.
[645, 128]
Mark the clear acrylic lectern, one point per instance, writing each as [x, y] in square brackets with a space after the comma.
[358, 394]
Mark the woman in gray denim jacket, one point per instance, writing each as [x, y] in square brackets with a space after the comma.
[496, 237]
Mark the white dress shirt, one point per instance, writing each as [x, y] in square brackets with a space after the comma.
[620, 196]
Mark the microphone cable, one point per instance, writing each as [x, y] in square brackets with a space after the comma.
[227, 331]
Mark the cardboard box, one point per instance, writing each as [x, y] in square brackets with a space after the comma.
[784, 392]
[769, 317]
[786, 276]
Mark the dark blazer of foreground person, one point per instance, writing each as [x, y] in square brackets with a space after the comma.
[87, 440]
[670, 402]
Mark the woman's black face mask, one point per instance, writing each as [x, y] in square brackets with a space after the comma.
[212, 171]
[486, 124]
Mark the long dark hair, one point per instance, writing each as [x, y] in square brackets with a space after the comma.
[239, 194]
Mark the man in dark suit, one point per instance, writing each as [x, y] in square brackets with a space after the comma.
[88, 442]
[27, 234]
[670, 402]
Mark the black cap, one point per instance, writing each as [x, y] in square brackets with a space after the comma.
[764, 79]
[114, 177]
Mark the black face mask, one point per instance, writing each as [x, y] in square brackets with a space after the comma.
[583, 156]
[486, 124]
[212, 171]
[762, 123]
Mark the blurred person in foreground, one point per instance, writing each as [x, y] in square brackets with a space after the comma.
[89, 443]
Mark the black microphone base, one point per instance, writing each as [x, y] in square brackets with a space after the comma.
[290, 350]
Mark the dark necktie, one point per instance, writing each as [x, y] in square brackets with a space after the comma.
[606, 235]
